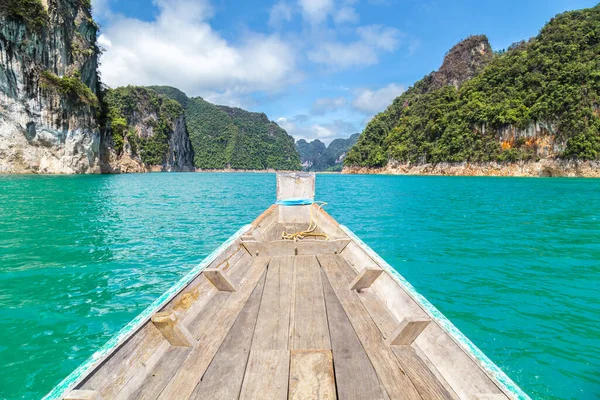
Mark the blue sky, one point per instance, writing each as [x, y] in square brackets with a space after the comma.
[320, 68]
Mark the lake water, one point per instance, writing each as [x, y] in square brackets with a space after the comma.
[514, 263]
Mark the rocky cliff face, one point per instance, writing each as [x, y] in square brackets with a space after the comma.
[145, 132]
[48, 86]
[464, 60]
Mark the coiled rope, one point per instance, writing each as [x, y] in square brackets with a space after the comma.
[312, 226]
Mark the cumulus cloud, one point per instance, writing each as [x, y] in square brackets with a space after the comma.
[280, 13]
[316, 11]
[346, 14]
[325, 105]
[181, 49]
[324, 132]
[372, 101]
[372, 41]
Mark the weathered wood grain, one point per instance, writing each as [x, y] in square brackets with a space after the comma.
[156, 375]
[311, 375]
[125, 363]
[273, 324]
[83, 395]
[365, 278]
[311, 330]
[267, 375]
[355, 377]
[408, 331]
[219, 280]
[462, 373]
[377, 309]
[212, 335]
[306, 246]
[386, 365]
[223, 378]
[420, 375]
[172, 329]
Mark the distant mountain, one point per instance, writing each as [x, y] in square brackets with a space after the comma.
[229, 137]
[538, 100]
[315, 156]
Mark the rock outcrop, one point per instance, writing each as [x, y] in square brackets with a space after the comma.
[464, 60]
[145, 132]
[541, 168]
[48, 87]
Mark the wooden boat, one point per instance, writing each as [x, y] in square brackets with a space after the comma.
[316, 316]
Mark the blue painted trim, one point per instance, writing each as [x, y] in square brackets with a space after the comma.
[510, 387]
[128, 330]
[294, 202]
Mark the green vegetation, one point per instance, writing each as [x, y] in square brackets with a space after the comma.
[172, 93]
[154, 114]
[553, 80]
[227, 137]
[69, 87]
[32, 12]
[315, 156]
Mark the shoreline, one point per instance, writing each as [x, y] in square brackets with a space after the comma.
[542, 168]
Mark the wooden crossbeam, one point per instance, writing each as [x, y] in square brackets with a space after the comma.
[219, 281]
[290, 248]
[83, 395]
[407, 332]
[172, 329]
[366, 278]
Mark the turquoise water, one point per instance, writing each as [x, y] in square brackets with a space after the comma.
[514, 263]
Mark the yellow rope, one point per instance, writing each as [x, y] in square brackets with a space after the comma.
[311, 228]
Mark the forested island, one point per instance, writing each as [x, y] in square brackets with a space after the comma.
[532, 109]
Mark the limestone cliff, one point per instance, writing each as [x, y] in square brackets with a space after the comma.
[48, 87]
[464, 60]
[145, 131]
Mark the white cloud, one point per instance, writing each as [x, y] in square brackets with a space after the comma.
[324, 132]
[316, 11]
[381, 37]
[373, 40]
[346, 14]
[181, 49]
[373, 101]
[280, 13]
[327, 104]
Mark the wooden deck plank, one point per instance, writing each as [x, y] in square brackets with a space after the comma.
[355, 377]
[384, 320]
[311, 330]
[212, 334]
[223, 378]
[311, 375]
[432, 368]
[273, 324]
[213, 308]
[156, 377]
[266, 375]
[421, 376]
[462, 373]
[119, 369]
[386, 365]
